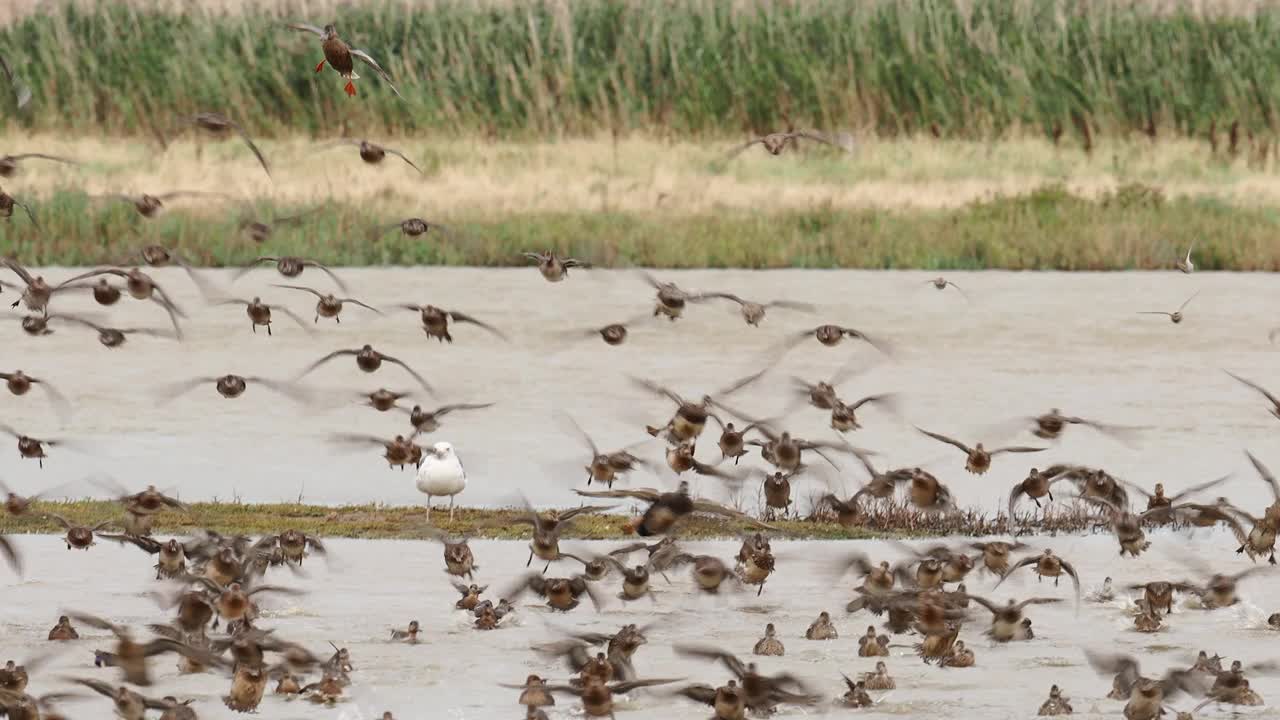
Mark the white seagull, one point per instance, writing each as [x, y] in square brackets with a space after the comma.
[441, 474]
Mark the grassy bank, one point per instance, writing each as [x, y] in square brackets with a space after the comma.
[953, 68]
[380, 521]
[1049, 228]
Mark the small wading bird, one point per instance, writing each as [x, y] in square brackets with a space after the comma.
[220, 126]
[9, 163]
[340, 56]
[775, 143]
[371, 152]
[1176, 316]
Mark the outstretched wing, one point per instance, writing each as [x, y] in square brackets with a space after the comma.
[306, 27]
[362, 55]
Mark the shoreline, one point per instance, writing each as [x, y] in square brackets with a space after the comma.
[410, 523]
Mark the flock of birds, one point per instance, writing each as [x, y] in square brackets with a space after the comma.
[211, 583]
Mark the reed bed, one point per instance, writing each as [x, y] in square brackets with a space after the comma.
[1133, 227]
[409, 522]
[952, 68]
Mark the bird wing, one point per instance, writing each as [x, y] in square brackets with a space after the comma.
[1200, 488]
[402, 156]
[723, 296]
[21, 92]
[1188, 301]
[646, 494]
[252, 147]
[325, 359]
[147, 544]
[707, 506]
[42, 156]
[699, 693]
[97, 686]
[737, 150]
[423, 381]
[20, 271]
[91, 273]
[364, 56]
[945, 439]
[463, 318]
[361, 303]
[629, 685]
[1016, 449]
[706, 652]
[11, 554]
[1022, 563]
[304, 288]
[292, 316]
[336, 280]
[1267, 394]
[94, 621]
[1265, 474]
[306, 27]
[66, 524]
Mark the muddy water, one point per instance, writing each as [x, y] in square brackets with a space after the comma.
[1021, 344]
[372, 586]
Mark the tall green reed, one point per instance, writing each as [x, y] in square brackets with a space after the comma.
[973, 68]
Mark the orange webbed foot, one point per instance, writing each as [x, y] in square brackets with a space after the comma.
[320, 66]
[350, 88]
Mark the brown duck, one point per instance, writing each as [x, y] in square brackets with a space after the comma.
[435, 321]
[290, 267]
[613, 334]
[1145, 696]
[832, 335]
[753, 313]
[1007, 622]
[36, 291]
[761, 693]
[341, 56]
[428, 421]
[131, 657]
[373, 153]
[727, 700]
[978, 459]
[368, 360]
[775, 143]
[1051, 425]
[259, 313]
[329, 305]
[64, 630]
[248, 685]
[409, 227]
[261, 231]
[458, 558]
[605, 467]
[553, 267]
[148, 206]
[408, 635]
[1038, 484]
[597, 696]
[560, 593]
[1045, 565]
[1175, 317]
[666, 508]
[111, 338]
[671, 299]
[995, 554]
[232, 386]
[769, 644]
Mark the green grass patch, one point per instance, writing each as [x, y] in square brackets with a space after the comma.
[1133, 227]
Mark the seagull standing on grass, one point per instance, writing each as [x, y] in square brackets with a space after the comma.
[441, 474]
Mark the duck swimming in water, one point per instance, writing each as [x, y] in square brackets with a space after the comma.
[1057, 704]
[822, 628]
[769, 644]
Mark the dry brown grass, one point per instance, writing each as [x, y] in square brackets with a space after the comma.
[469, 176]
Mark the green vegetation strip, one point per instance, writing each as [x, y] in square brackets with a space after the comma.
[410, 522]
[1134, 227]
[973, 68]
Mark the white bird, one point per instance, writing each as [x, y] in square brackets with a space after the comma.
[1186, 265]
[441, 474]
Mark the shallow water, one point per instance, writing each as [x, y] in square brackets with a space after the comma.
[371, 586]
[1024, 342]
